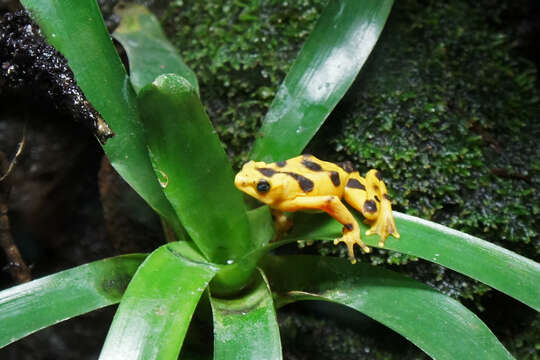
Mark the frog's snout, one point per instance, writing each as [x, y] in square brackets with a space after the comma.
[240, 181]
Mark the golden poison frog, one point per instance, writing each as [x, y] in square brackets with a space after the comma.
[307, 183]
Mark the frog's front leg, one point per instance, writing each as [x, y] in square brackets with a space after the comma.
[335, 208]
[281, 221]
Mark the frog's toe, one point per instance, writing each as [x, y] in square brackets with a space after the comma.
[350, 239]
[384, 225]
[281, 222]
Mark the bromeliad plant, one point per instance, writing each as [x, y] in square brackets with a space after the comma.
[178, 165]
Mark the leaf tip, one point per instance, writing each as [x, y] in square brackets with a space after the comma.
[173, 83]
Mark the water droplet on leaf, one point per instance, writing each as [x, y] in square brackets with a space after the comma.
[162, 178]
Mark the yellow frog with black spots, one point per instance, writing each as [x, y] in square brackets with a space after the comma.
[307, 183]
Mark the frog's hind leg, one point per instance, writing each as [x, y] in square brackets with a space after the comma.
[384, 224]
[370, 197]
[335, 208]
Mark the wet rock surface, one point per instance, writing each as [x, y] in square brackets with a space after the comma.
[28, 61]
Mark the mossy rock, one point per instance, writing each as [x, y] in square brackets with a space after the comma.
[240, 51]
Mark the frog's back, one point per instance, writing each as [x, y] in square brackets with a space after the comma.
[327, 178]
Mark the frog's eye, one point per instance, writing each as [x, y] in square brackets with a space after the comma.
[263, 186]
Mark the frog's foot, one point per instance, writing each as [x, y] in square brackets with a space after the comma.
[384, 224]
[281, 222]
[350, 238]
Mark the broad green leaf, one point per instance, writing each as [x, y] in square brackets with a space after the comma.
[262, 225]
[76, 29]
[493, 265]
[436, 323]
[155, 312]
[40, 303]
[246, 328]
[323, 71]
[149, 52]
[193, 169]
[262, 228]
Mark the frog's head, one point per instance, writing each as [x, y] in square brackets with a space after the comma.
[258, 180]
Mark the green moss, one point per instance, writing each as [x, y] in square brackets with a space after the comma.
[240, 51]
[450, 117]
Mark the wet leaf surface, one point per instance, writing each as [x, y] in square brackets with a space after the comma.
[323, 71]
[43, 302]
[493, 265]
[436, 323]
[156, 309]
[193, 169]
[149, 52]
[246, 328]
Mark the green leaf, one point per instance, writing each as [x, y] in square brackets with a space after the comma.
[493, 265]
[227, 282]
[262, 225]
[76, 29]
[246, 328]
[436, 323]
[323, 71]
[149, 52]
[40, 303]
[193, 169]
[155, 312]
